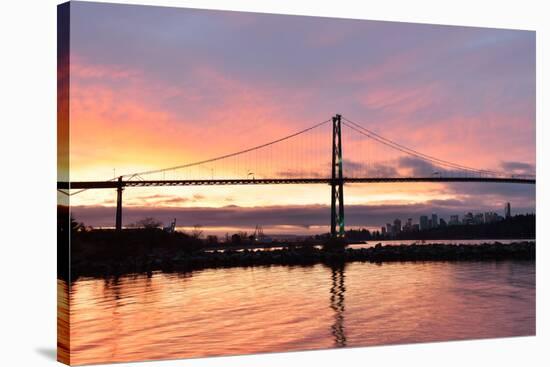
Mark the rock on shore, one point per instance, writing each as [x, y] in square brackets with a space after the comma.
[184, 262]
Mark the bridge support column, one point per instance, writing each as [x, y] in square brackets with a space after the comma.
[337, 182]
[118, 220]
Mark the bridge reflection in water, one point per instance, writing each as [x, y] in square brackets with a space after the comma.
[337, 291]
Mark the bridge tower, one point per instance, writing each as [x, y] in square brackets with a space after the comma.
[118, 222]
[337, 182]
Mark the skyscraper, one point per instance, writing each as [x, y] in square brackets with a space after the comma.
[454, 220]
[478, 218]
[507, 210]
[423, 223]
[397, 225]
[468, 218]
[435, 222]
[491, 217]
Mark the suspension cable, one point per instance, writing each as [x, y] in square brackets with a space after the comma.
[227, 155]
[404, 149]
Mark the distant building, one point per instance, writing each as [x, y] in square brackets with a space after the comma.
[389, 228]
[383, 231]
[416, 227]
[507, 211]
[491, 217]
[397, 226]
[478, 218]
[408, 225]
[435, 222]
[442, 222]
[423, 223]
[454, 220]
[468, 218]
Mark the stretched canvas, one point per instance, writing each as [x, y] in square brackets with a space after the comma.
[235, 183]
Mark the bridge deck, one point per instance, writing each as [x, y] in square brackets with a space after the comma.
[280, 181]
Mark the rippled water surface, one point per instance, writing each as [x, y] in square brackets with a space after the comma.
[281, 308]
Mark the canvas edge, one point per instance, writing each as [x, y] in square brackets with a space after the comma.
[63, 199]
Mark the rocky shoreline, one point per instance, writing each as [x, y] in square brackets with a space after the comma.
[186, 262]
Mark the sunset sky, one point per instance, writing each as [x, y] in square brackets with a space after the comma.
[155, 87]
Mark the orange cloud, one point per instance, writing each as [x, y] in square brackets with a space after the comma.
[119, 120]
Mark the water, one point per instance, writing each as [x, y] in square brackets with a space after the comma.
[281, 308]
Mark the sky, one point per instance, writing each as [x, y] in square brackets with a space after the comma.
[155, 87]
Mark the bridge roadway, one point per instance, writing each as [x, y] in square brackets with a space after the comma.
[280, 181]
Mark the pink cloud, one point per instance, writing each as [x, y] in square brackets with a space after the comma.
[117, 118]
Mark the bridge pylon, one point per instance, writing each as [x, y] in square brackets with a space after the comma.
[118, 218]
[337, 229]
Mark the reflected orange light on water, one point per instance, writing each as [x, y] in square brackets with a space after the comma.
[270, 309]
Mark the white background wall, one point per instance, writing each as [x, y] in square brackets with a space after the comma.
[28, 180]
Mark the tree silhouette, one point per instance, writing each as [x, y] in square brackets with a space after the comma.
[197, 231]
[147, 223]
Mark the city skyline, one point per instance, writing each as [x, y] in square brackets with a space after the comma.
[209, 218]
[426, 222]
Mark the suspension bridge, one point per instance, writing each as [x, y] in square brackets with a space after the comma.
[310, 156]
